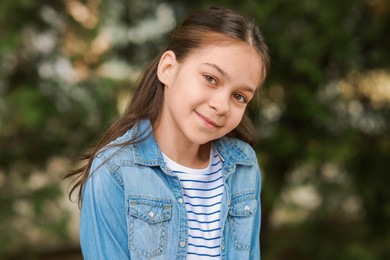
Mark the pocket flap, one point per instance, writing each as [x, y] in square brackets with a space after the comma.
[150, 210]
[243, 205]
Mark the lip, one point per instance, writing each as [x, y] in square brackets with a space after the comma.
[208, 122]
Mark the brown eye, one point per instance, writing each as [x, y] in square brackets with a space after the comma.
[210, 79]
[240, 98]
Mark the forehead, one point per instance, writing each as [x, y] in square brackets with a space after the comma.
[238, 59]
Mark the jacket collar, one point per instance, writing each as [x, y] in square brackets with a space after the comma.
[148, 153]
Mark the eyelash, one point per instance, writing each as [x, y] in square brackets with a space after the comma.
[239, 96]
[210, 79]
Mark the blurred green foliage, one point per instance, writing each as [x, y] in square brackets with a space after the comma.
[322, 120]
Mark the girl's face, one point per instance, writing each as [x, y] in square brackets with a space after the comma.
[206, 94]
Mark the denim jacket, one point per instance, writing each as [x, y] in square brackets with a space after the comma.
[127, 184]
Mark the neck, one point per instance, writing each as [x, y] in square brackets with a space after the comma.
[182, 151]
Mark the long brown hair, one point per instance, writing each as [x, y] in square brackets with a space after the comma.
[147, 100]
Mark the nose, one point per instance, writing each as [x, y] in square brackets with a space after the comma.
[220, 103]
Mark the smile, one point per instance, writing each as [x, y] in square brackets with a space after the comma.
[207, 121]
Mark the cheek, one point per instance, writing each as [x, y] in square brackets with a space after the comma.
[191, 94]
[184, 86]
[236, 118]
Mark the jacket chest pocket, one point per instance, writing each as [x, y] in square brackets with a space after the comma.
[148, 225]
[241, 214]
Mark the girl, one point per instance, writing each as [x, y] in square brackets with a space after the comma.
[174, 177]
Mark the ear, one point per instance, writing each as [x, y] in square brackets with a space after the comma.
[166, 67]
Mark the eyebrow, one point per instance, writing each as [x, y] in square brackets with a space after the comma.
[217, 68]
[249, 89]
[246, 88]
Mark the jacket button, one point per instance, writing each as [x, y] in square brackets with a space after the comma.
[151, 214]
[182, 243]
[180, 200]
[247, 208]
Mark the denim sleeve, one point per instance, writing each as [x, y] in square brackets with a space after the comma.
[255, 246]
[103, 228]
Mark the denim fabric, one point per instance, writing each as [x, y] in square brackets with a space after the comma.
[133, 206]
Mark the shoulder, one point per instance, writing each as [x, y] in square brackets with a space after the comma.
[236, 150]
[108, 160]
[118, 151]
[137, 146]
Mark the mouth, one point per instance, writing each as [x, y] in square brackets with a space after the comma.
[207, 121]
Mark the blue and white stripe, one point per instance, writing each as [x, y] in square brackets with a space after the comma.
[203, 189]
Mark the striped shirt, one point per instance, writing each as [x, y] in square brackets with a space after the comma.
[203, 189]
